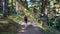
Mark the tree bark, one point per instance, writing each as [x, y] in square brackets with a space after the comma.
[12, 5]
[43, 12]
[0, 5]
[4, 8]
[43, 6]
[17, 7]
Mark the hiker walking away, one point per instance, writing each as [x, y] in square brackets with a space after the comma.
[25, 20]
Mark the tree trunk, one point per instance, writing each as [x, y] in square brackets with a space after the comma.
[0, 5]
[43, 12]
[4, 8]
[17, 7]
[12, 5]
[42, 6]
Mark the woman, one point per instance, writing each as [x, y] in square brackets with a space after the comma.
[25, 20]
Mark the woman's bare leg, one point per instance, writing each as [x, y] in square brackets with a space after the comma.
[25, 25]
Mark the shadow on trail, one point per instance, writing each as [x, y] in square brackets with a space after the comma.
[30, 30]
[14, 27]
[13, 22]
[11, 26]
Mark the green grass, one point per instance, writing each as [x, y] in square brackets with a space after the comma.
[5, 29]
[7, 33]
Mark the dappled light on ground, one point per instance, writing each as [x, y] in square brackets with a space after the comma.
[3, 22]
[15, 23]
[7, 25]
[29, 30]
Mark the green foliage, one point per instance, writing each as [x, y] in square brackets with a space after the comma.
[52, 21]
[35, 10]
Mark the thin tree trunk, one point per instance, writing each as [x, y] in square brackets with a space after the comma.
[43, 6]
[43, 12]
[12, 5]
[5, 8]
[0, 5]
[17, 7]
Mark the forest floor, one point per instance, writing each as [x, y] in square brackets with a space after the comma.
[31, 29]
[11, 25]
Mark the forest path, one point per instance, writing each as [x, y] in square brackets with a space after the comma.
[31, 29]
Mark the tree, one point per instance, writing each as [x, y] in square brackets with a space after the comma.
[4, 8]
[0, 5]
[12, 5]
